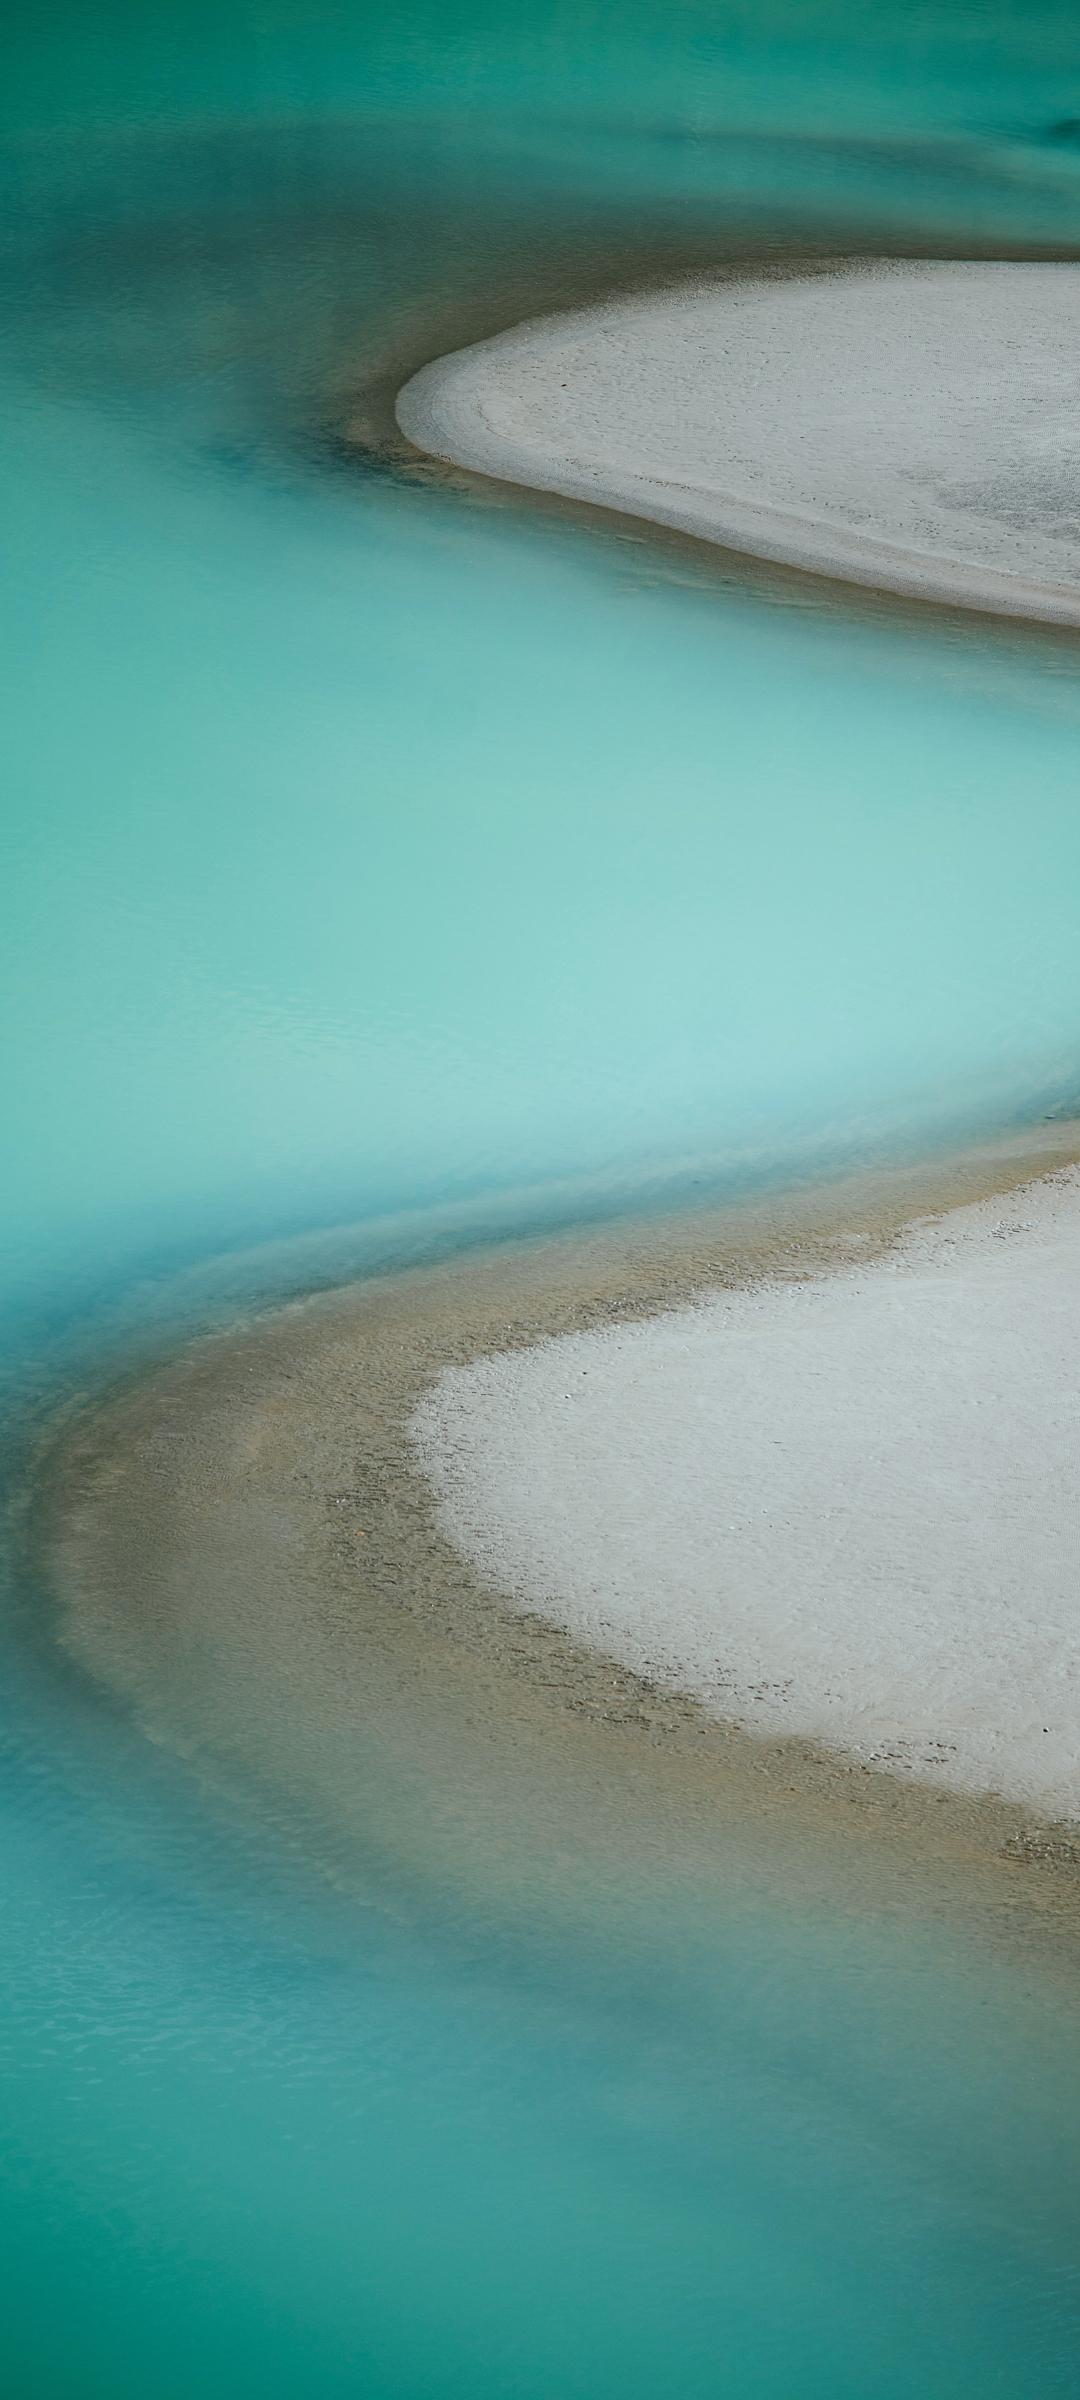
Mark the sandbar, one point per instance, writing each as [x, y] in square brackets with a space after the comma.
[908, 426]
[246, 1552]
[844, 1507]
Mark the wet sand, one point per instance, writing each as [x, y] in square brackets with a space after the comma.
[245, 1552]
[905, 426]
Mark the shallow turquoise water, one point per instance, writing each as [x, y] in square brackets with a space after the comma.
[376, 860]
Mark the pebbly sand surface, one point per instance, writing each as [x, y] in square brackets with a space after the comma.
[912, 427]
[845, 1508]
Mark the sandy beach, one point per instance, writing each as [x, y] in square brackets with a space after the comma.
[846, 1508]
[911, 427]
[248, 1550]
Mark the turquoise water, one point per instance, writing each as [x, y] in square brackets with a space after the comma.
[376, 859]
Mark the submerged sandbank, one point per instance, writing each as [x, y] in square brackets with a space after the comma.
[847, 1507]
[247, 1552]
[912, 427]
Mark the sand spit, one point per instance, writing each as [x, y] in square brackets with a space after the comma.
[846, 1508]
[912, 427]
[246, 1553]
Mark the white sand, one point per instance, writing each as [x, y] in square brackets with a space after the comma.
[912, 427]
[847, 1508]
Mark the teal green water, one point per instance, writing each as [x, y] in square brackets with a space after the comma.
[374, 859]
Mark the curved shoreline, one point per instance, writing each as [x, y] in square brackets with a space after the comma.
[847, 1506]
[247, 1553]
[905, 427]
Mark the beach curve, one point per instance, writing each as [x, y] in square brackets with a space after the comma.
[907, 426]
[246, 1548]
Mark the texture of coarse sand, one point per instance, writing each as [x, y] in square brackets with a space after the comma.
[845, 1508]
[913, 427]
